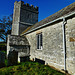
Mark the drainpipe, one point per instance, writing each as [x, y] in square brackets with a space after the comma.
[64, 43]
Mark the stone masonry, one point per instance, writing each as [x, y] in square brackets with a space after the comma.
[52, 52]
[18, 44]
[23, 17]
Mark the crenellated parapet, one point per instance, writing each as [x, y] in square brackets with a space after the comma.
[26, 6]
[24, 16]
[30, 7]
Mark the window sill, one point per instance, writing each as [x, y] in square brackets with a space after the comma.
[39, 49]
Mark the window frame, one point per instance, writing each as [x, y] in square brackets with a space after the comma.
[39, 41]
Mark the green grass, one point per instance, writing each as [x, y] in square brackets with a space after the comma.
[3, 51]
[29, 68]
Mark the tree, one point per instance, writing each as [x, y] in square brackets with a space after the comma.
[5, 27]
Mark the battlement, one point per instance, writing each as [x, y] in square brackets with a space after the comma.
[26, 6]
[24, 16]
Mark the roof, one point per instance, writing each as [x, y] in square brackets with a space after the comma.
[27, 29]
[65, 11]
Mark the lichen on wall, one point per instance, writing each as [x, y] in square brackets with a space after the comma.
[52, 52]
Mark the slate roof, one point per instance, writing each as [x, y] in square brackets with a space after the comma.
[65, 11]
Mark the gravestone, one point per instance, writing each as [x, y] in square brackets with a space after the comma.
[2, 59]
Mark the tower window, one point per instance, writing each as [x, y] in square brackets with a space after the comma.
[39, 41]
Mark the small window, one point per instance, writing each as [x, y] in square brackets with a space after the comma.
[39, 41]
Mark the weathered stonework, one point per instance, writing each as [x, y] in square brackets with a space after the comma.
[52, 29]
[52, 52]
[70, 45]
[52, 45]
[23, 17]
[18, 44]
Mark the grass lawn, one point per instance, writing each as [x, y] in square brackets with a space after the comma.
[29, 68]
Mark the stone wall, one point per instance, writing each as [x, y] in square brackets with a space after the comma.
[52, 45]
[16, 19]
[29, 14]
[23, 17]
[52, 52]
[70, 45]
[18, 44]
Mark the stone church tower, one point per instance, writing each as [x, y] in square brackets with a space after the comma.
[23, 17]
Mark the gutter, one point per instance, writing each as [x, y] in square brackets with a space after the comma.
[48, 23]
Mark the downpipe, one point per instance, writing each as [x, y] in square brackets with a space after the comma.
[64, 43]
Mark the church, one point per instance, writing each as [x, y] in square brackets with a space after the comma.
[51, 40]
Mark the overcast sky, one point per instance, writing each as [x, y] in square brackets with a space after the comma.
[46, 7]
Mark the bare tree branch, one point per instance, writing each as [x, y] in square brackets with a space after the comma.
[5, 26]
